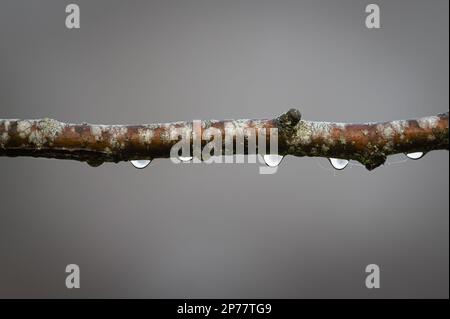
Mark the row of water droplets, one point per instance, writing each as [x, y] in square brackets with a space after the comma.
[140, 164]
[340, 164]
[273, 160]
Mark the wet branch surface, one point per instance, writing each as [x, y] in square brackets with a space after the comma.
[368, 143]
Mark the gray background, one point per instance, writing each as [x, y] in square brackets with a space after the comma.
[191, 231]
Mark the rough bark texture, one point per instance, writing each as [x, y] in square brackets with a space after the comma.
[368, 143]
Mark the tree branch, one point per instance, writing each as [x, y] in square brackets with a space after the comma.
[368, 143]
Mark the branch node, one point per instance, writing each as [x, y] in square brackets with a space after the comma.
[373, 161]
[287, 121]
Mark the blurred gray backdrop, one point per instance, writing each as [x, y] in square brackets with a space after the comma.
[207, 231]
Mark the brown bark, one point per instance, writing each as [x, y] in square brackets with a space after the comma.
[368, 143]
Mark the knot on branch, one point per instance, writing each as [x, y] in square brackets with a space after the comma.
[287, 121]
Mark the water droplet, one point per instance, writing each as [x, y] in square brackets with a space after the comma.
[338, 163]
[94, 163]
[185, 158]
[140, 163]
[415, 155]
[273, 160]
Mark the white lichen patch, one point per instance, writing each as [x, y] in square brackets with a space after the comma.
[323, 129]
[399, 126]
[183, 132]
[152, 126]
[24, 128]
[302, 133]
[229, 128]
[380, 128]
[341, 126]
[6, 125]
[4, 138]
[208, 123]
[48, 130]
[96, 132]
[428, 122]
[116, 134]
[172, 131]
[241, 125]
[145, 135]
[179, 123]
[388, 132]
[37, 138]
[165, 136]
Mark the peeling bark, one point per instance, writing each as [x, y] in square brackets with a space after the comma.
[368, 143]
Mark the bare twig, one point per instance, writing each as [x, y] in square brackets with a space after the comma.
[368, 143]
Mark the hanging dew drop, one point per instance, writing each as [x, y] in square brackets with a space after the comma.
[273, 160]
[338, 163]
[140, 163]
[415, 155]
[94, 163]
[185, 158]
